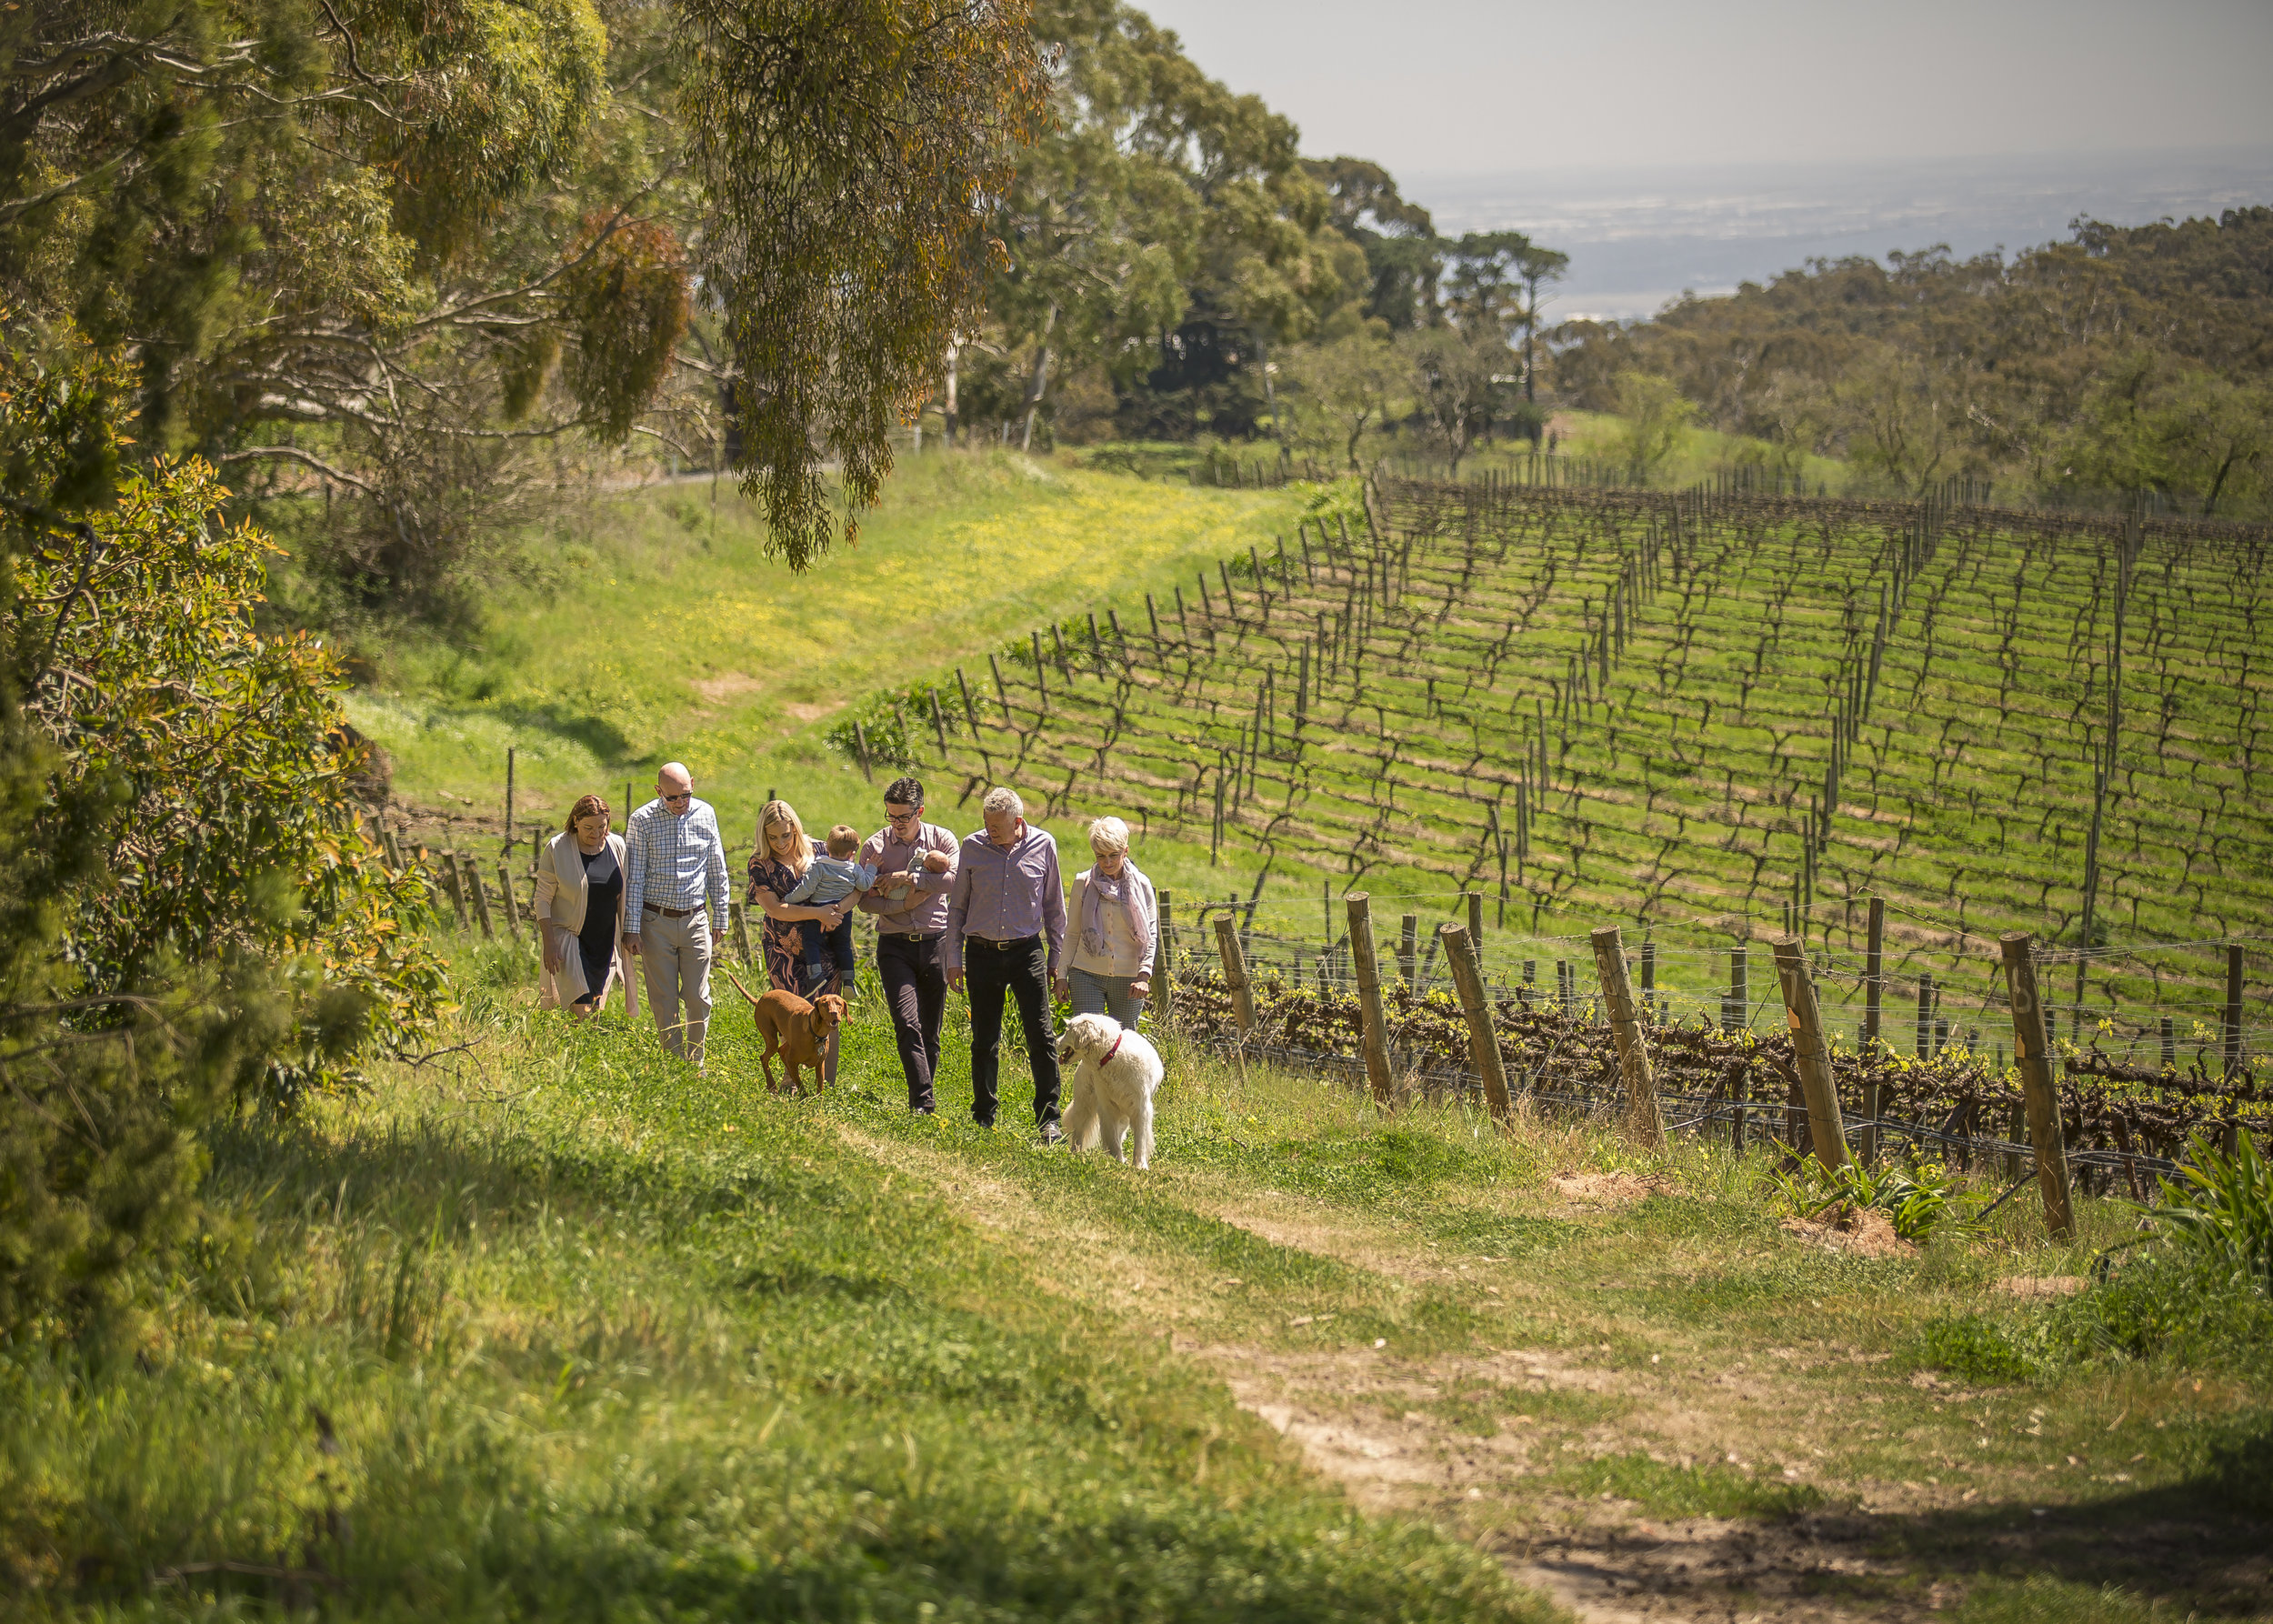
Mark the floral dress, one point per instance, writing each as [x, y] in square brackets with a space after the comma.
[783, 942]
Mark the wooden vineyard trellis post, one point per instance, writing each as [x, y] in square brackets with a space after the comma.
[1163, 960]
[1491, 1067]
[2032, 1033]
[455, 886]
[504, 891]
[1235, 976]
[1409, 950]
[470, 877]
[1618, 993]
[1874, 985]
[1376, 1036]
[2233, 1010]
[1824, 1126]
[738, 922]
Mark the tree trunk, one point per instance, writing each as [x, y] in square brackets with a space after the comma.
[1040, 377]
[953, 351]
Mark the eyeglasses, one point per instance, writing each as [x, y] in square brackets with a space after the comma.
[675, 798]
[910, 816]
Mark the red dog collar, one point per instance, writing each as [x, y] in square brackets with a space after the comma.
[1116, 1045]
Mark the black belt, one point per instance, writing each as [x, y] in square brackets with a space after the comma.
[910, 935]
[982, 941]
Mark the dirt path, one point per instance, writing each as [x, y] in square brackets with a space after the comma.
[1551, 1457]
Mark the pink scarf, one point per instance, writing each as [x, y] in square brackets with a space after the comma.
[1101, 889]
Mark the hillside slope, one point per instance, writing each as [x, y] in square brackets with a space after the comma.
[1697, 714]
[663, 630]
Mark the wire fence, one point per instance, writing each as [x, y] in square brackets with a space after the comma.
[1926, 1074]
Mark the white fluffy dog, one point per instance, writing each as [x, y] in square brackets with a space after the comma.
[1112, 1091]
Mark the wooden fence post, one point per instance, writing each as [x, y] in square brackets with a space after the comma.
[2032, 1054]
[1491, 1067]
[472, 879]
[1164, 961]
[1408, 948]
[738, 924]
[1476, 924]
[1618, 993]
[1235, 973]
[1368, 972]
[504, 891]
[456, 888]
[2233, 1010]
[1822, 1094]
[1874, 988]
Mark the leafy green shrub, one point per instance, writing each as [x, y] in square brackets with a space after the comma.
[1973, 1349]
[2165, 1303]
[190, 914]
[1915, 1197]
[2221, 1209]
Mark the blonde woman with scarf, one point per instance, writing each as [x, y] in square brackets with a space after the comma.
[1113, 924]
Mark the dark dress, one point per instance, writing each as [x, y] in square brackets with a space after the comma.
[789, 945]
[603, 892]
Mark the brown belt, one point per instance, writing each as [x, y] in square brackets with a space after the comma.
[668, 913]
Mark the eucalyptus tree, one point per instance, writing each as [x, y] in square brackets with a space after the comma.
[381, 243]
[1163, 228]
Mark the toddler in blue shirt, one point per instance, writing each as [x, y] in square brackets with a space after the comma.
[839, 877]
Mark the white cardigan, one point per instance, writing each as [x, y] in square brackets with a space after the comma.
[1121, 958]
[561, 897]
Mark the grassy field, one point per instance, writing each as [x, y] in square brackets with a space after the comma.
[548, 1326]
[658, 630]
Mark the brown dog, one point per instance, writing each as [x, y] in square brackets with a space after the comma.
[795, 1030]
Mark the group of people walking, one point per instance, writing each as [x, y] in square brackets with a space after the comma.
[988, 915]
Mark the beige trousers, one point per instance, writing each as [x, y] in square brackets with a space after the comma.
[676, 954]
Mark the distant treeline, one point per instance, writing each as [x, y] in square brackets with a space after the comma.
[2127, 361]
[1172, 262]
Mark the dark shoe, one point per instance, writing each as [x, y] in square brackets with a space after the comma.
[985, 1122]
[1052, 1134]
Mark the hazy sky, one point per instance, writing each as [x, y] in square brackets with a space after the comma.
[1469, 86]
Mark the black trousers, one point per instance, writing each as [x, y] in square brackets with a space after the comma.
[1021, 970]
[916, 991]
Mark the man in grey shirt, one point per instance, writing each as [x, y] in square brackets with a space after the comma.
[1006, 930]
[915, 868]
[674, 904]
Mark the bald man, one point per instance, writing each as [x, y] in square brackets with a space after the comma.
[674, 905]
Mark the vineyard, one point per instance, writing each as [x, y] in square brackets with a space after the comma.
[1705, 717]
[2120, 1125]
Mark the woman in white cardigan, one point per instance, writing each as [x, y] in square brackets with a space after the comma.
[1113, 924]
[580, 885]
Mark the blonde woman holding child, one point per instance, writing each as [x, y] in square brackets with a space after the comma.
[1114, 921]
[801, 938]
[580, 913]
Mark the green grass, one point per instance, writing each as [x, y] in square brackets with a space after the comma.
[585, 1336]
[552, 1328]
[656, 628]
[1674, 1490]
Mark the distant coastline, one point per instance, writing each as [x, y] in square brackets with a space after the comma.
[1637, 238]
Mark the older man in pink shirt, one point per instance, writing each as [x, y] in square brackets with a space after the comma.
[1007, 934]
